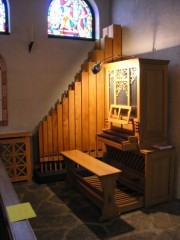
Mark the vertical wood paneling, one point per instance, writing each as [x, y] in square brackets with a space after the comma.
[71, 120]
[40, 139]
[78, 117]
[55, 134]
[81, 114]
[85, 112]
[100, 92]
[92, 111]
[49, 133]
[59, 127]
[115, 32]
[107, 46]
[45, 139]
[65, 113]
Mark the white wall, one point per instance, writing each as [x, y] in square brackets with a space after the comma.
[37, 80]
[151, 29]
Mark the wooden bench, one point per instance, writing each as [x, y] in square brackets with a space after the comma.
[103, 196]
[20, 230]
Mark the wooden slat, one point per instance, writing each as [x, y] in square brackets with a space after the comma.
[45, 140]
[126, 199]
[107, 46]
[59, 127]
[78, 115]
[100, 93]
[92, 111]
[40, 138]
[55, 134]
[65, 118]
[96, 55]
[49, 133]
[115, 32]
[28, 158]
[85, 112]
[71, 120]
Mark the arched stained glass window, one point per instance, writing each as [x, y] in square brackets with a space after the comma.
[71, 19]
[3, 17]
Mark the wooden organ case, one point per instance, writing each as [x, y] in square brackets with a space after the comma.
[136, 102]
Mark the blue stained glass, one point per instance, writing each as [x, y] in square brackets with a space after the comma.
[2, 17]
[70, 18]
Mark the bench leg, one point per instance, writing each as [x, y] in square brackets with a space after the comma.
[109, 208]
[70, 169]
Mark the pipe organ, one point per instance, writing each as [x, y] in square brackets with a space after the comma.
[136, 115]
[117, 115]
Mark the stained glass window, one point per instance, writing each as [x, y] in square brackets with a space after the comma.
[71, 18]
[3, 17]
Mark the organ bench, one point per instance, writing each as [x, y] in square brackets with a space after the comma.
[106, 174]
[101, 186]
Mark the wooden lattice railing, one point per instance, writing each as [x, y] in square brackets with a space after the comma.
[80, 114]
[16, 156]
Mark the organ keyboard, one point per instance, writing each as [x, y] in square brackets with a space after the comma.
[125, 141]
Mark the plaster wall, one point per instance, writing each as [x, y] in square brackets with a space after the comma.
[151, 29]
[36, 80]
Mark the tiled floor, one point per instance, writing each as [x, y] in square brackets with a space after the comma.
[66, 214]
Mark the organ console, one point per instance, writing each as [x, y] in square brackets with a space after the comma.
[136, 119]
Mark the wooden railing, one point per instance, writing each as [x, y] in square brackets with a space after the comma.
[80, 114]
[19, 230]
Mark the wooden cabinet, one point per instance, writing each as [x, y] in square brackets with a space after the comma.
[159, 173]
[141, 87]
[16, 155]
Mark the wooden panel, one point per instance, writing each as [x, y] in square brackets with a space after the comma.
[96, 56]
[40, 138]
[92, 111]
[153, 104]
[115, 32]
[92, 164]
[16, 156]
[27, 161]
[71, 120]
[107, 46]
[65, 118]
[100, 93]
[59, 127]
[97, 44]
[45, 140]
[159, 176]
[15, 135]
[55, 134]
[78, 116]
[85, 112]
[49, 133]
